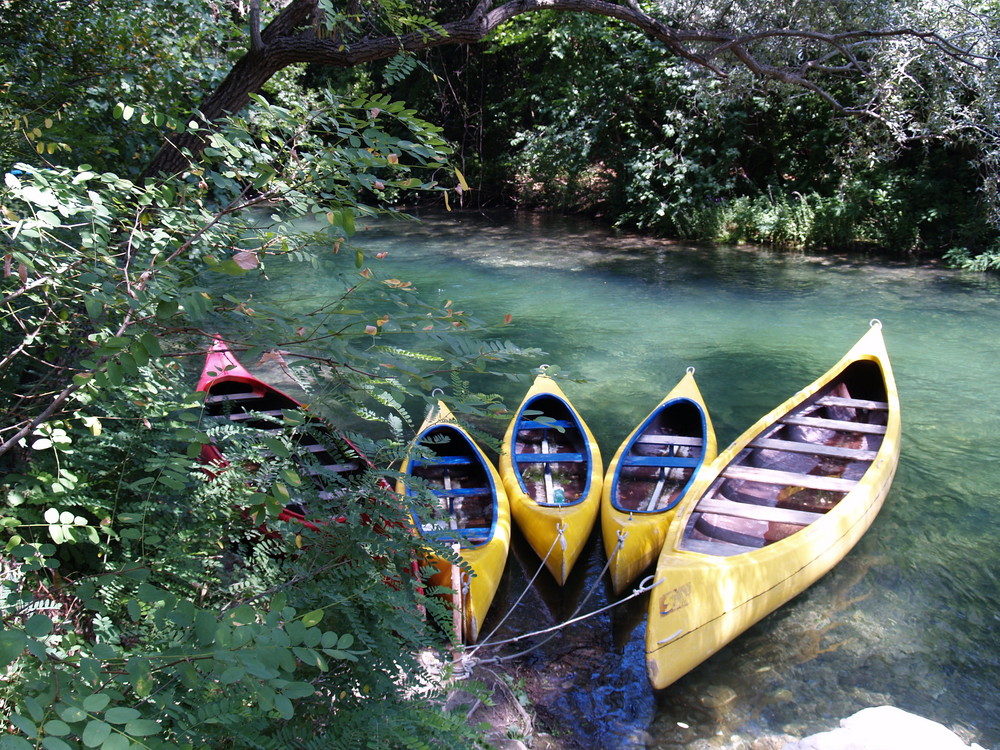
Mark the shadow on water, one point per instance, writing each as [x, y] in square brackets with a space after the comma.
[909, 618]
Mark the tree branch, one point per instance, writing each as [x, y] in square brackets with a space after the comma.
[289, 40]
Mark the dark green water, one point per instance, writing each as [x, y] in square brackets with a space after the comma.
[910, 618]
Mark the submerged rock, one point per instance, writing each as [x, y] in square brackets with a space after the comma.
[884, 728]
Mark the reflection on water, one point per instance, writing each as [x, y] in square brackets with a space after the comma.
[910, 618]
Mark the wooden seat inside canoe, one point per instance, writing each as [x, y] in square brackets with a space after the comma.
[789, 478]
[714, 547]
[857, 403]
[767, 513]
[841, 425]
[816, 449]
[254, 414]
[547, 458]
[216, 398]
[461, 491]
[684, 440]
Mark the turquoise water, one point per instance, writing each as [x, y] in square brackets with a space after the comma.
[910, 618]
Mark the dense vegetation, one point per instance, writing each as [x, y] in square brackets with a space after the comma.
[146, 603]
[575, 115]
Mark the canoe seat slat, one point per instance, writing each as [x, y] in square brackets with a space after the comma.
[717, 548]
[817, 449]
[670, 440]
[314, 448]
[669, 462]
[859, 403]
[441, 461]
[836, 424]
[767, 513]
[461, 491]
[245, 415]
[337, 468]
[549, 458]
[218, 398]
[789, 478]
[531, 424]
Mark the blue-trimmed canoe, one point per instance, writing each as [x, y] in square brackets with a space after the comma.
[552, 470]
[471, 514]
[649, 476]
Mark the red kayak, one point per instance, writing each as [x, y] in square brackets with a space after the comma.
[233, 393]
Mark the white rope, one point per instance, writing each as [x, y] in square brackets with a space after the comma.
[573, 618]
[559, 535]
[643, 587]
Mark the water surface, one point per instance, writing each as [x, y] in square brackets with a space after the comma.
[910, 618]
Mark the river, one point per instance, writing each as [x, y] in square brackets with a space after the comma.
[910, 618]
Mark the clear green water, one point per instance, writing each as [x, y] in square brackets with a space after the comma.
[910, 618]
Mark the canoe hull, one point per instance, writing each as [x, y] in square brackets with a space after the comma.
[703, 601]
[473, 594]
[557, 533]
[233, 392]
[633, 539]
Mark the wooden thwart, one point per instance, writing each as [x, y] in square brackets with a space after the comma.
[858, 403]
[715, 547]
[220, 397]
[670, 440]
[247, 415]
[767, 513]
[789, 478]
[836, 424]
[817, 449]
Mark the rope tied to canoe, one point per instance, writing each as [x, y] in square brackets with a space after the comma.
[644, 586]
[559, 539]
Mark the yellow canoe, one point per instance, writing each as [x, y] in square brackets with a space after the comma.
[552, 470]
[649, 476]
[778, 509]
[471, 514]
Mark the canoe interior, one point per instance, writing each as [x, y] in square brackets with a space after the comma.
[659, 462]
[317, 451]
[551, 456]
[464, 510]
[797, 469]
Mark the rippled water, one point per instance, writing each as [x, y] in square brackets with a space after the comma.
[910, 617]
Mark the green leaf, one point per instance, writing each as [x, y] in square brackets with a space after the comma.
[309, 619]
[284, 707]
[276, 446]
[165, 309]
[38, 626]
[150, 594]
[73, 714]
[121, 715]
[24, 724]
[116, 742]
[54, 743]
[95, 733]
[12, 643]
[56, 727]
[10, 742]
[143, 727]
[96, 702]
[242, 615]
[94, 307]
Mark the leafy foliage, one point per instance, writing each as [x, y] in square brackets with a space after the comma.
[146, 602]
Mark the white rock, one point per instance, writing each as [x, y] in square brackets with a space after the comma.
[884, 728]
